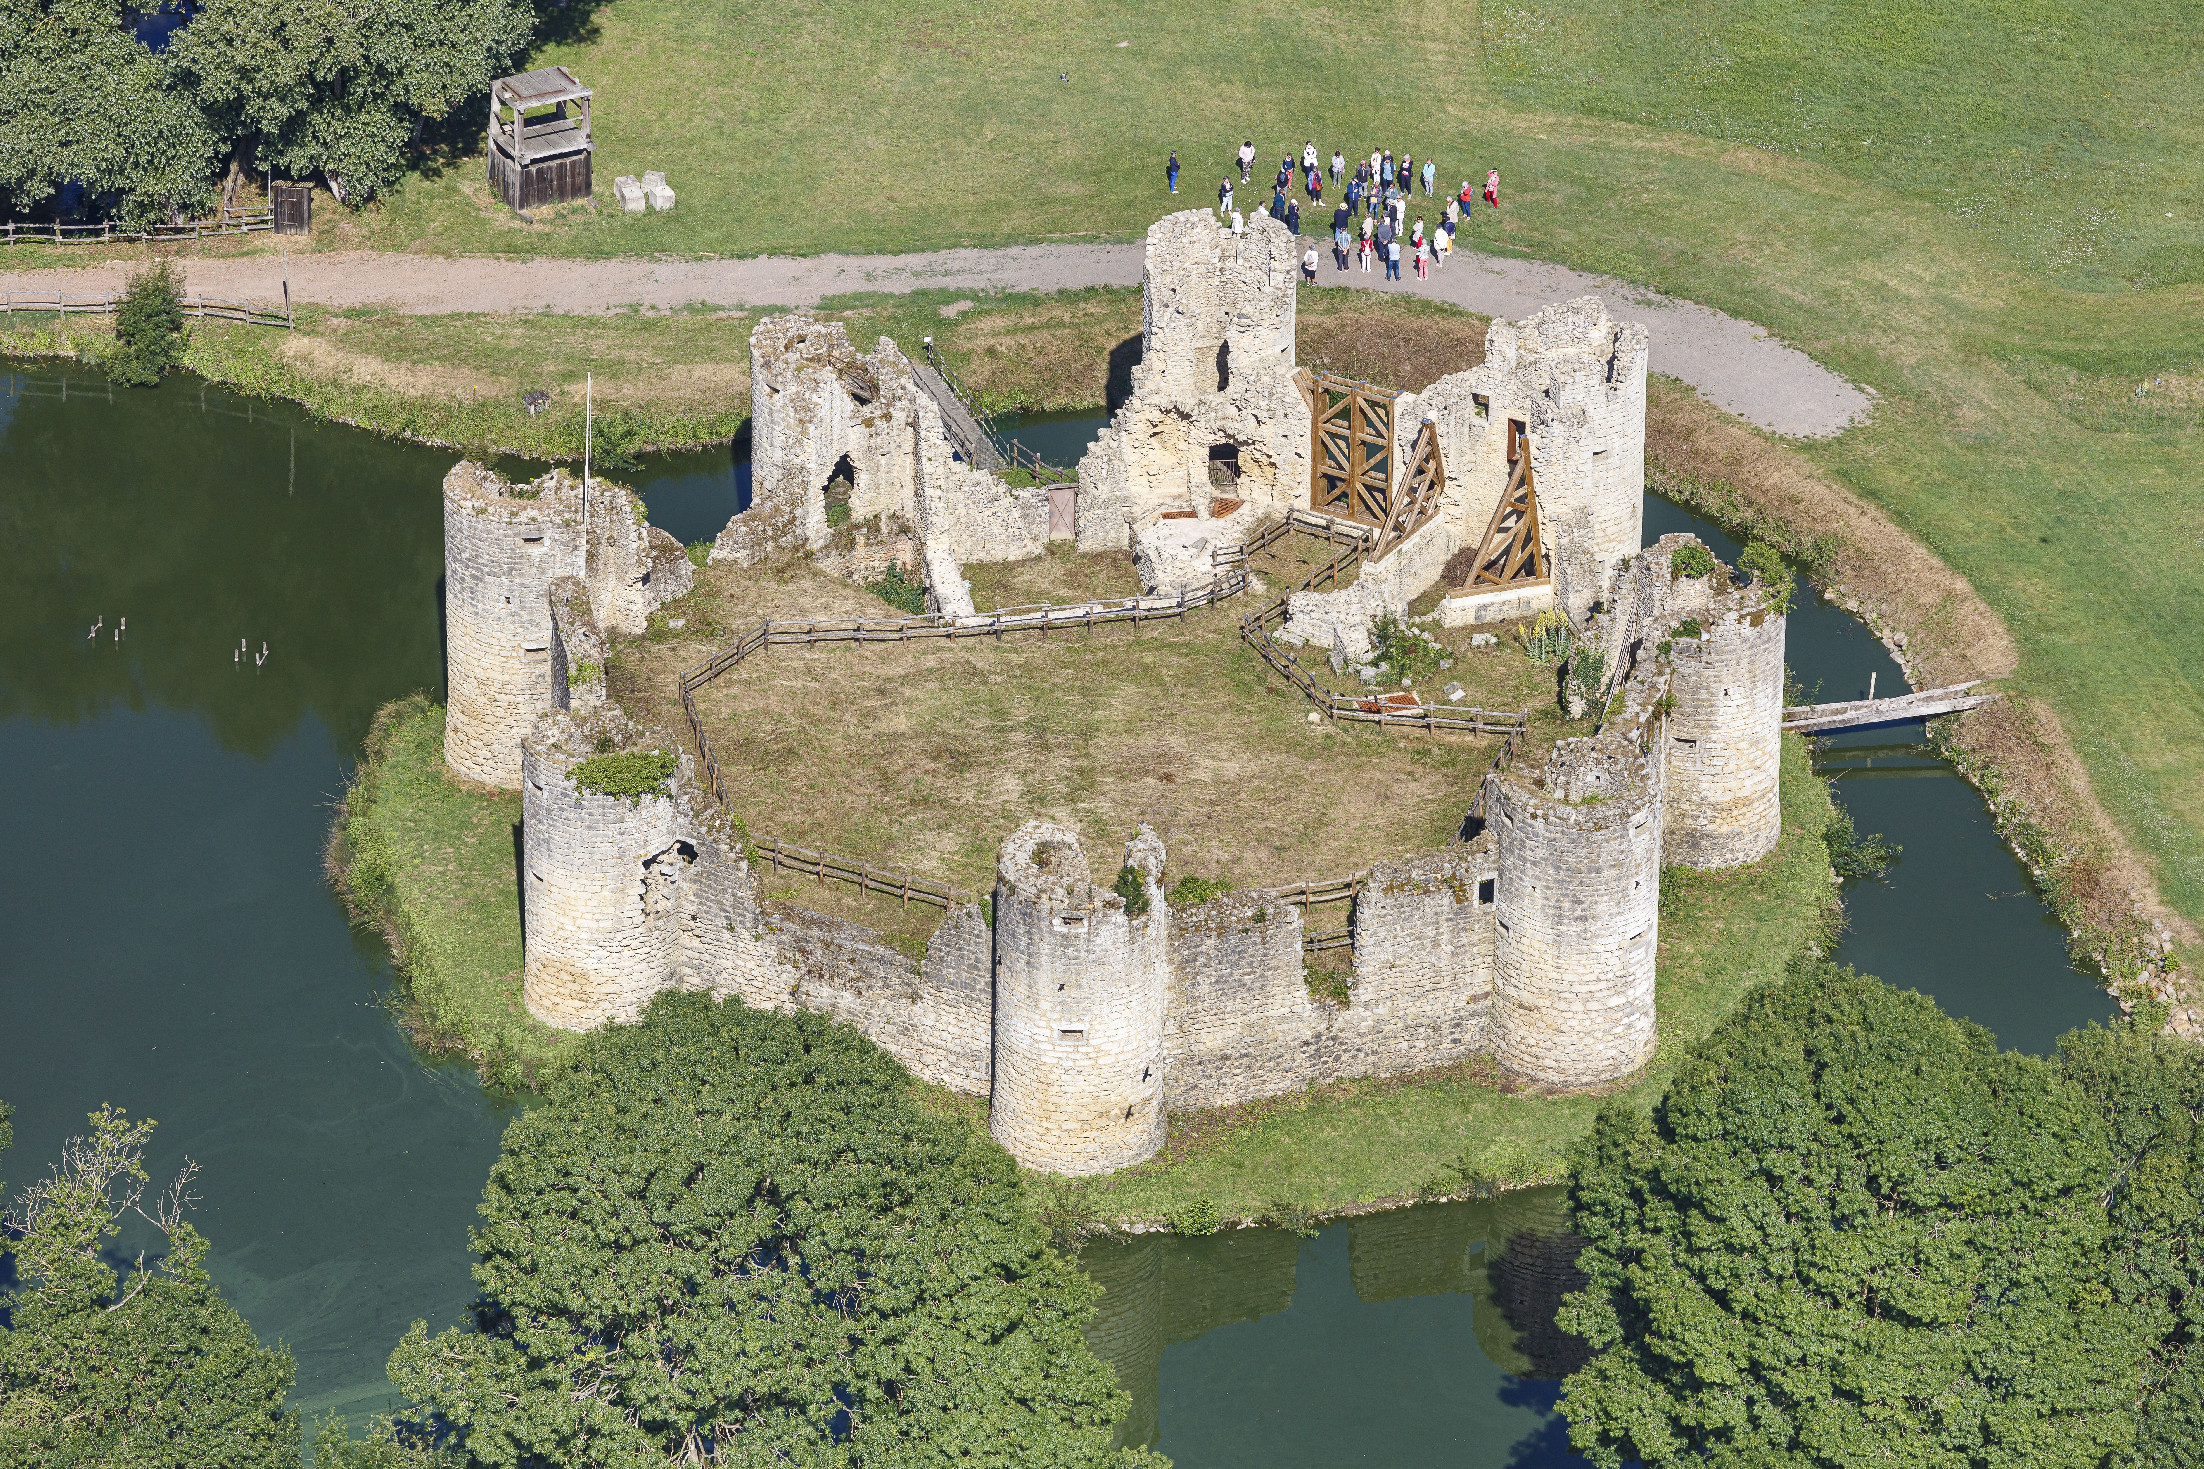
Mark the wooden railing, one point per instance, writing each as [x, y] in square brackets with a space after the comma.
[234, 222]
[105, 303]
[1045, 618]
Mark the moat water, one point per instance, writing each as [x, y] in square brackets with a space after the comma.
[173, 948]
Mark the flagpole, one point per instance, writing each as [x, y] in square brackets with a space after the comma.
[589, 398]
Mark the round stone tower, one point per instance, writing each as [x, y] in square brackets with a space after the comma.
[1723, 806]
[602, 876]
[1079, 996]
[1577, 905]
[503, 545]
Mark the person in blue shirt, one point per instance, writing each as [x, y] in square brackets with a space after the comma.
[1171, 170]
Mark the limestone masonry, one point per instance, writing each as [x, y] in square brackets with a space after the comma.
[1081, 1001]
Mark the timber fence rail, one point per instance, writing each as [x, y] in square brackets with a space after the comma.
[1043, 618]
[106, 303]
[235, 222]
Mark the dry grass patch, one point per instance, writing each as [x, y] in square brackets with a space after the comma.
[924, 756]
[1394, 341]
[1057, 575]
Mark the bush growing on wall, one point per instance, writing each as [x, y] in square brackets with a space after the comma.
[731, 1236]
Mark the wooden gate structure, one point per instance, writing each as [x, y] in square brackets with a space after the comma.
[1512, 553]
[1351, 472]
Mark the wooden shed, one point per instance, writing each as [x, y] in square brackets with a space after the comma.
[544, 158]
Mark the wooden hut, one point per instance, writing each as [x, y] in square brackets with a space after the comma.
[544, 158]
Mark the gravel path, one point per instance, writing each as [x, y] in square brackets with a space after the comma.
[1733, 363]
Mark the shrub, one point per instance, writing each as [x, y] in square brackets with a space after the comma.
[732, 1236]
[582, 673]
[1765, 564]
[1132, 886]
[1691, 560]
[1407, 652]
[1853, 855]
[699, 552]
[1690, 627]
[616, 435]
[1588, 677]
[149, 328]
[900, 592]
[628, 774]
[1192, 892]
[1202, 1216]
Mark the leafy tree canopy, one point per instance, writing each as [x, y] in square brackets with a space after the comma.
[340, 88]
[1851, 1232]
[733, 1237]
[151, 1370]
[85, 103]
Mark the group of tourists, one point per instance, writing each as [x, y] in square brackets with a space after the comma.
[1369, 220]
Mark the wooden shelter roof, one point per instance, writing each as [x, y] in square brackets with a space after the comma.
[544, 87]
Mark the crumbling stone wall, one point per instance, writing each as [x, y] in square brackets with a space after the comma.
[1216, 370]
[1079, 1003]
[577, 649]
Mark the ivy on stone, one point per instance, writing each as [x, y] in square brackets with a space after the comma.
[730, 1236]
[1691, 560]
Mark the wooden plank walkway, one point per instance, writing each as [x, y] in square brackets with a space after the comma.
[965, 430]
[1863, 713]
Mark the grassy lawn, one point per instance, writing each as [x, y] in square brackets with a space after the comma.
[925, 756]
[431, 863]
[1448, 1133]
[1987, 211]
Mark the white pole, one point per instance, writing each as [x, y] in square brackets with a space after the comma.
[1871, 684]
[589, 398]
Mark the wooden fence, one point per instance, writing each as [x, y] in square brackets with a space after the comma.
[235, 222]
[1230, 581]
[105, 303]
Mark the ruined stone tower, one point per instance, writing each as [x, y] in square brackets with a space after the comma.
[1215, 384]
[504, 545]
[1578, 909]
[601, 893]
[1723, 747]
[1079, 1001]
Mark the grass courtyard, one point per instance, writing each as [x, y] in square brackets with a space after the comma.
[923, 757]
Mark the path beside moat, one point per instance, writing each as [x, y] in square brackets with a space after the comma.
[1734, 364]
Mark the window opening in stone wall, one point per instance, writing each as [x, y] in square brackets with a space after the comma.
[1224, 466]
[1480, 405]
[1517, 433]
[1484, 892]
[1224, 366]
[840, 486]
[1074, 1034]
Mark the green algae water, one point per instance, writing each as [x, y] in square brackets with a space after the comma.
[174, 947]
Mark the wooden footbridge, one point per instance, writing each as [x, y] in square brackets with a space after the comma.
[1866, 713]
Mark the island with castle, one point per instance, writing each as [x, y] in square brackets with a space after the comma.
[1073, 992]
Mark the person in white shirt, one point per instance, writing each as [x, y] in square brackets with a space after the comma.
[1308, 157]
[1247, 159]
[1239, 223]
[1308, 264]
[1339, 167]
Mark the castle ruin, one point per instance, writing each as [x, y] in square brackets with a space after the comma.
[1075, 995]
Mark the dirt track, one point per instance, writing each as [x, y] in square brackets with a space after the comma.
[1733, 363]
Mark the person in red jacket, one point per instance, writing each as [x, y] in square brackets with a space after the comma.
[1492, 187]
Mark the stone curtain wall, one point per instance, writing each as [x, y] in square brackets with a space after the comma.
[577, 649]
[1239, 1022]
[503, 546]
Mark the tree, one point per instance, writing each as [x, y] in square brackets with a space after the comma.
[344, 89]
[2149, 1089]
[734, 1237]
[1852, 1231]
[86, 104]
[149, 327]
[147, 1370]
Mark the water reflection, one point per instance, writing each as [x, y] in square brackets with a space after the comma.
[1420, 1336]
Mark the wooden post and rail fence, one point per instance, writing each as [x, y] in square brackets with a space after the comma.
[105, 303]
[1231, 580]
